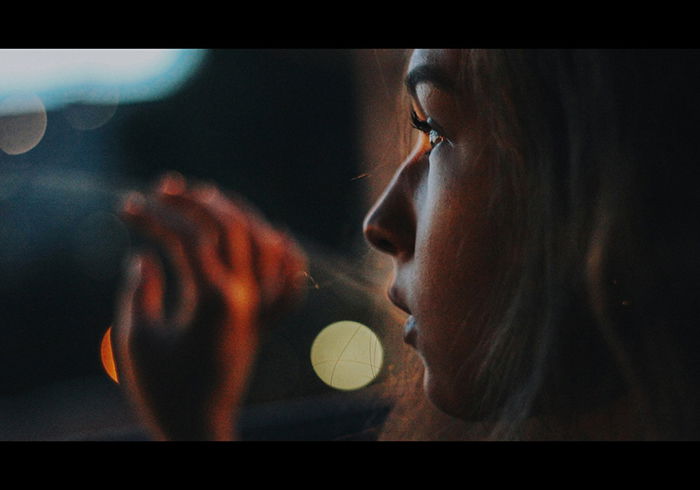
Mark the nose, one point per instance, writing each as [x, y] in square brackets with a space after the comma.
[391, 223]
[377, 235]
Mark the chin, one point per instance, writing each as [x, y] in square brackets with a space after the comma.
[459, 400]
[441, 397]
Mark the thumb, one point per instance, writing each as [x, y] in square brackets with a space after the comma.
[141, 299]
[139, 308]
[148, 285]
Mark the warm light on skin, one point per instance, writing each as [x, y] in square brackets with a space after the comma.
[107, 356]
[347, 355]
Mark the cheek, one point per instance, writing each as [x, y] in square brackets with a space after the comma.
[455, 264]
[456, 239]
[454, 270]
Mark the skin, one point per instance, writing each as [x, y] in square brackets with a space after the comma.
[448, 253]
[431, 220]
[185, 368]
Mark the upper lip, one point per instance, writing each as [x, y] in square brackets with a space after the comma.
[395, 298]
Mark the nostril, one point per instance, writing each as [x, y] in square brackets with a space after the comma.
[379, 240]
[386, 246]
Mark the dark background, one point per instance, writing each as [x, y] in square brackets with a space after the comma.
[277, 126]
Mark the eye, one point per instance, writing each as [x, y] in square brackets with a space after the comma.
[424, 126]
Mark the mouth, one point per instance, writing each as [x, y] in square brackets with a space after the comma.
[409, 330]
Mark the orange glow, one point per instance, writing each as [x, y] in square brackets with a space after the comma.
[107, 356]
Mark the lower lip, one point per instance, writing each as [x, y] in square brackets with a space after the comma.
[409, 331]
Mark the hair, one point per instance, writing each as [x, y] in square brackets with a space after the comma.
[597, 159]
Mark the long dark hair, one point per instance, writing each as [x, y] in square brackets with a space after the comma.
[598, 158]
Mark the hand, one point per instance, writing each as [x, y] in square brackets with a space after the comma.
[184, 347]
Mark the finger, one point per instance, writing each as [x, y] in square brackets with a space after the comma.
[237, 243]
[139, 309]
[296, 272]
[121, 331]
[213, 239]
[176, 238]
[287, 285]
[258, 252]
[263, 239]
[272, 267]
[124, 315]
[141, 302]
[291, 278]
[209, 244]
[278, 261]
[261, 257]
[170, 183]
[266, 247]
[148, 299]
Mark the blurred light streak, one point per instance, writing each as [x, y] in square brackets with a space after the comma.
[66, 76]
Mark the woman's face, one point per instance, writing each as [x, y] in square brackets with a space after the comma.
[432, 220]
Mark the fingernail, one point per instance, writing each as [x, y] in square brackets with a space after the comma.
[172, 183]
[133, 203]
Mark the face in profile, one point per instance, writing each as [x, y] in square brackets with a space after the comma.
[432, 220]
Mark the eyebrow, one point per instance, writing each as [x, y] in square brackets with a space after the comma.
[428, 74]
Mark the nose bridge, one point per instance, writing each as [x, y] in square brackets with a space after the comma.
[390, 223]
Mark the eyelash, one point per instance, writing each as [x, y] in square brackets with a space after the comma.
[425, 127]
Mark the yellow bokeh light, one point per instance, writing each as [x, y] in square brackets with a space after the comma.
[347, 355]
[107, 356]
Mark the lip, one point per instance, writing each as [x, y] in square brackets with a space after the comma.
[410, 332]
[395, 298]
[409, 329]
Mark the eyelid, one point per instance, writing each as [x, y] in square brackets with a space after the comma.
[433, 124]
[419, 99]
[427, 125]
[420, 124]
